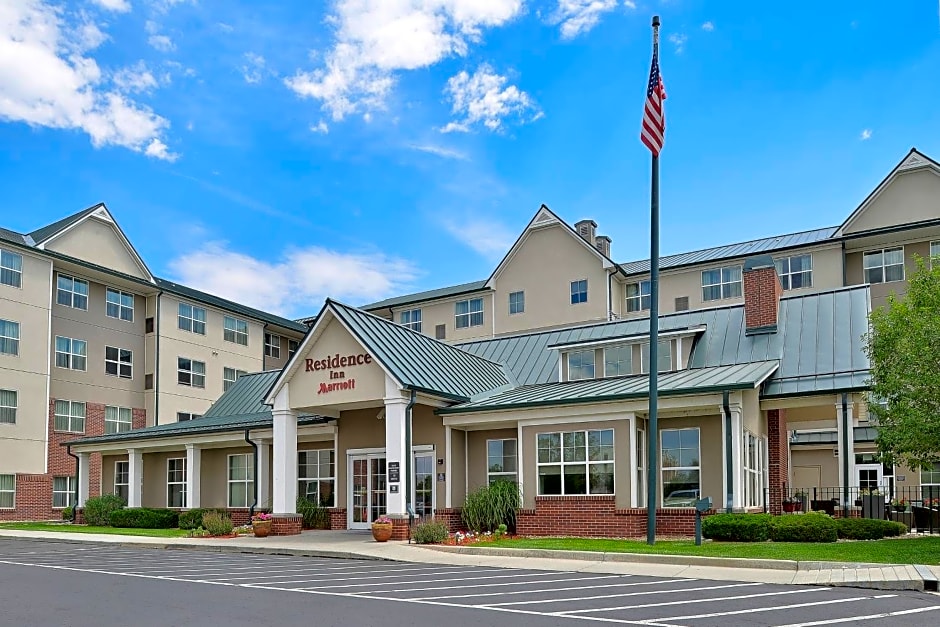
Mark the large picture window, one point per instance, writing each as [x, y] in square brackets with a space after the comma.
[580, 365]
[63, 492]
[235, 330]
[501, 460]
[468, 313]
[72, 292]
[884, 266]
[316, 474]
[191, 318]
[11, 268]
[119, 305]
[70, 416]
[122, 474]
[241, 479]
[681, 467]
[795, 272]
[618, 361]
[176, 482]
[117, 419]
[638, 296]
[721, 283]
[576, 462]
[71, 353]
[753, 470]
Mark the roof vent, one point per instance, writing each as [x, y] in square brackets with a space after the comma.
[602, 244]
[586, 229]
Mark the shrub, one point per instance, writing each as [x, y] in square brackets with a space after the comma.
[491, 506]
[67, 513]
[868, 528]
[315, 517]
[430, 532]
[144, 518]
[192, 519]
[812, 527]
[217, 523]
[98, 509]
[737, 527]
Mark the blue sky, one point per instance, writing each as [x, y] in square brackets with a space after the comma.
[366, 148]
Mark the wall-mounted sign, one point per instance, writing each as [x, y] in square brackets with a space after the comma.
[394, 475]
[393, 489]
[337, 377]
[441, 477]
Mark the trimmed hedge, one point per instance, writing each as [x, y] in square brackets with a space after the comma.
[737, 527]
[98, 509]
[192, 519]
[811, 527]
[430, 532]
[144, 518]
[869, 528]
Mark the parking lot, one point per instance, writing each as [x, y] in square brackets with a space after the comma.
[474, 595]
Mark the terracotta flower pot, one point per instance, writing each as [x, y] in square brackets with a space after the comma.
[382, 532]
[262, 528]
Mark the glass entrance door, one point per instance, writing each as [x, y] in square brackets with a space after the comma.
[870, 477]
[368, 490]
[424, 484]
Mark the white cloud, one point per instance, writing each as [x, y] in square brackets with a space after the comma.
[162, 43]
[90, 36]
[253, 69]
[135, 79]
[440, 151]
[225, 28]
[118, 6]
[298, 282]
[866, 134]
[483, 97]
[320, 127]
[159, 150]
[678, 40]
[708, 27]
[629, 4]
[580, 16]
[375, 39]
[489, 238]
[48, 79]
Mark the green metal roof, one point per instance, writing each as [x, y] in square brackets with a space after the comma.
[860, 434]
[42, 234]
[682, 382]
[444, 292]
[245, 396]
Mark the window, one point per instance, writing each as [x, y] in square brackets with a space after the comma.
[191, 318]
[638, 296]
[272, 345]
[230, 376]
[122, 474]
[618, 361]
[469, 313]
[191, 372]
[721, 283]
[795, 272]
[119, 305]
[681, 467]
[664, 357]
[7, 491]
[72, 292]
[70, 416]
[9, 337]
[516, 303]
[934, 253]
[884, 266]
[117, 419]
[411, 319]
[118, 362]
[7, 407]
[579, 291]
[641, 477]
[11, 269]
[292, 346]
[63, 492]
[182, 416]
[235, 330]
[241, 480]
[176, 482]
[70, 353]
[501, 461]
[440, 332]
[576, 462]
[753, 470]
[316, 475]
[580, 365]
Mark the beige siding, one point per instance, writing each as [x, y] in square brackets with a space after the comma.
[214, 476]
[911, 197]
[444, 312]
[458, 467]
[428, 429]
[358, 429]
[97, 241]
[154, 491]
[477, 458]
[808, 463]
[107, 472]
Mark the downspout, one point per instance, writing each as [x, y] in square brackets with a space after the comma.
[156, 364]
[264, 347]
[78, 470]
[729, 457]
[254, 479]
[843, 264]
[610, 297]
[846, 432]
[409, 506]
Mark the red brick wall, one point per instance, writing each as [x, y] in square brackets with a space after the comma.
[287, 524]
[337, 518]
[778, 458]
[33, 499]
[598, 516]
[451, 518]
[400, 529]
[762, 291]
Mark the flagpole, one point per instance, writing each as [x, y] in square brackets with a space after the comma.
[652, 430]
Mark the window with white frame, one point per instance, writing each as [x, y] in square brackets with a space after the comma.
[9, 337]
[191, 372]
[272, 345]
[70, 416]
[579, 291]
[581, 365]
[191, 318]
[8, 406]
[721, 283]
[618, 361]
[71, 291]
[241, 480]
[501, 459]
[176, 482]
[468, 313]
[117, 419]
[230, 376]
[934, 254]
[63, 492]
[516, 302]
[681, 467]
[118, 362]
[753, 470]
[183, 416]
[576, 462]
[795, 272]
[641, 476]
[884, 266]
[7, 491]
[663, 357]
[410, 318]
[235, 330]
[119, 305]
[71, 353]
[292, 346]
[638, 296]
[930, 482]
[122, 475]
[11, 268]
[316, 475]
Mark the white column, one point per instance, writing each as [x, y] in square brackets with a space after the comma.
[634, 461]
[285, 462]
[135, 477]
[264, 474]
[193, 476]
[843, 421]
[737, 457]
[520, 464]
[448, 467]
[395, 405]
[83, 478]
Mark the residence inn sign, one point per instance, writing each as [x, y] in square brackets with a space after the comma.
[338, 380]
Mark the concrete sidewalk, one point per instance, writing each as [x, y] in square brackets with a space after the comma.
[360, 545]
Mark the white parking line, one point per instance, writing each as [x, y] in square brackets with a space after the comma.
[386, 577]
[260, 568]
[754, 610]
[489, 585]
[852, 619]
[313, 572]
[683, 602]
[628, 594]
[543, 590]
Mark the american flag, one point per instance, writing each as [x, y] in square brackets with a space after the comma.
[653, 133]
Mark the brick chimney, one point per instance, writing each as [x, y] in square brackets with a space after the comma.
[586, 229]
[602, 243]
[762, 291]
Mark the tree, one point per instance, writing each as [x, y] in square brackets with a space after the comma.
[903, 345]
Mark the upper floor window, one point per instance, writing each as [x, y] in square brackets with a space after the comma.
[272, 345]
[191, 372]
[9, 337]
[235, 330]
[119, 305]
[117, 419]
[934, 253]
[11, 268]
[618, 361]
[70, 416]
[8, 407]
[72, 292]
[795, 272]
[469, 313]
[516, 302]
[638, 296]
[721, 283]
[663, 357]
[183, 416]
[580, 365]
[70, 353]
[118, 362]
[579, 291]
[884, 266]
[411, 318]
[191, 318]
[292, 346]
[230, 376]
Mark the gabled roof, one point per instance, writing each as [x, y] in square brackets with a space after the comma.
[12, 236]
[444, 292]
[245, 397]
[44, 233]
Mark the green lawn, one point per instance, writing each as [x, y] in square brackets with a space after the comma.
[894, 551]
[66, 528]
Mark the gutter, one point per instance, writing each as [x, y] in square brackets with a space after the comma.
[156, 364]
[68, 450]
[254, 479]
[729, 465]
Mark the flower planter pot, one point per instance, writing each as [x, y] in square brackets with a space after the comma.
[382, 532]
[789, 508]
[262, 528]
